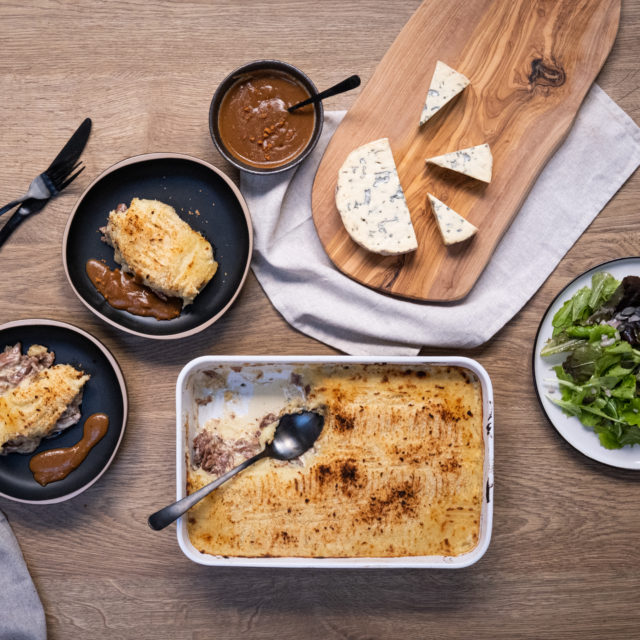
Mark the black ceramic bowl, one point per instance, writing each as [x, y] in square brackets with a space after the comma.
[105, 392]
[203, 196]
[229, 81]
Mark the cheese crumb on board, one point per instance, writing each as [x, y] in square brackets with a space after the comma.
[445, 85]
[371, 202]
[475, 162]
[453, 227]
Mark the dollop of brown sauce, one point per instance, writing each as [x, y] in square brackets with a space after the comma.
[121, 291]
[56, 464]
[255, 125]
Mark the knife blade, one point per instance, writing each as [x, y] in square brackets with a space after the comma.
[74, 148]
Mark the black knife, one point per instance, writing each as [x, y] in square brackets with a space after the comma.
[74, 148]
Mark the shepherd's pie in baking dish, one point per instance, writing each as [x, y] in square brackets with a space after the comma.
[397, 470]
[37, 399]
[157, 247]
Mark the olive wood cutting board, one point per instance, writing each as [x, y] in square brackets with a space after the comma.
[531, 63]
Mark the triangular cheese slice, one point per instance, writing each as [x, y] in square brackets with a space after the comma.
[476, 162]
[453, 227]
[446, 84]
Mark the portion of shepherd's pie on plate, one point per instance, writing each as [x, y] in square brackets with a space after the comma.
[37, 399]
[157, 247]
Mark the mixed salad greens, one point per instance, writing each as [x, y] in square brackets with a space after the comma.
[599, 329]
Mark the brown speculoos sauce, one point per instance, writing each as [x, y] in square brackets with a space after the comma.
[121, 291]
[56, 464]
[255, 125]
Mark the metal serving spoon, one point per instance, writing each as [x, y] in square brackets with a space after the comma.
[295, 433]
[346, 85]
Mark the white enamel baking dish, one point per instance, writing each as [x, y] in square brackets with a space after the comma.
[186, 408]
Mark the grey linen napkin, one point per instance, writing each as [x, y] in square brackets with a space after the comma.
[21, 612]
[601, 151]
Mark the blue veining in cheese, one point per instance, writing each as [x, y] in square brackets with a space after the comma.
[371, 202]
[476, 162]
[446, 84]
[453, 227]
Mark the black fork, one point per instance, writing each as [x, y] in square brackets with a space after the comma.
[59, 178]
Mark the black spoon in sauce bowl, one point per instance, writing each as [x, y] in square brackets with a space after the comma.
[346, 85]
[295, 434]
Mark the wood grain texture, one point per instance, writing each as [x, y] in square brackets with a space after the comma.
[530, 66]
[562, 562]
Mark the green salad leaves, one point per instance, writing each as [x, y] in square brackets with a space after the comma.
[599, 329]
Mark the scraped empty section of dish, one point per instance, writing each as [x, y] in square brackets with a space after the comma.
[397, 470]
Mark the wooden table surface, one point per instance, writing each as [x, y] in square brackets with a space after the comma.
[564, 561]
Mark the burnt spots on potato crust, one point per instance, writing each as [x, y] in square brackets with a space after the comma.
[391, 504]
[447, 415]
[421, 374]
[349, 471]
[342, 475]
[285, 537]
[296, 379]
[453, 413]
[323, 473]
[343, 423]
[449, 465]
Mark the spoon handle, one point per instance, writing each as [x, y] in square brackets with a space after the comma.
[346, 85]
[160, 519]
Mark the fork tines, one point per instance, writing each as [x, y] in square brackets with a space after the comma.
[70, 179]
[59, 176]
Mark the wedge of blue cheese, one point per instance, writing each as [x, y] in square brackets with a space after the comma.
[445, 85]
[453, 227]
[476, 162]
[371, 202]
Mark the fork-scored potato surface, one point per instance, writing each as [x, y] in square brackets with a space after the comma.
[396, 471]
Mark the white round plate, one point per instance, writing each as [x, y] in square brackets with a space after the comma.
[569, 427]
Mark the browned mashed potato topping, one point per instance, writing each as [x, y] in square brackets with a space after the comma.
[157, 247]
[37, 398]
[397, 470]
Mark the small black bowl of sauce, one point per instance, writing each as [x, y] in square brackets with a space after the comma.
[249, 119]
